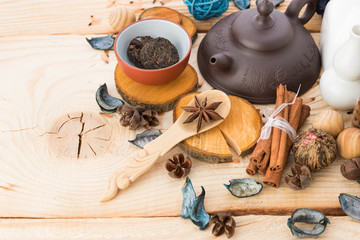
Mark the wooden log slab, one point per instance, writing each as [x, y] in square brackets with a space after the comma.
[171, 15]
[158, 97]
[240, 130]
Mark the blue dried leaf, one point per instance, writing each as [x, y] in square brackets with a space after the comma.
[320, 8]
[244, 187]
[107, 103]
[102, 43]
[198, 215]
[189, 197]
[275, 2]
[242, 4]
[350, 205]
[144, 138]
[309, 216]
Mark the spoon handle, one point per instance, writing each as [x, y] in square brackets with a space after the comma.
[141, 161]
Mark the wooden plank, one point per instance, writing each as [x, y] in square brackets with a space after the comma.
[37, 17]
[247, 227]
[47, 83]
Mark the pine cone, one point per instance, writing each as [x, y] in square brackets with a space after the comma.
[178, 167]
[224, 222]
[300, 179]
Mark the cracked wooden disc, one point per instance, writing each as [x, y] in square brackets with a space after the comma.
[240, 130]
[158, 97]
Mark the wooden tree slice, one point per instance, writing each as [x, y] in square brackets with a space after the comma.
[158, 97]
[162, 13]
[171, 15]
[240, 130]
[190, 27]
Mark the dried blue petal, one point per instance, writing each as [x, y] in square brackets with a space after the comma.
[275, 2]
[198, 215]
[189, 197]
[350, 205]
[144, 138]
[102, 43]
[309, 216]
[320, 8]
[244, 187]
[242, 4]
[107, 103]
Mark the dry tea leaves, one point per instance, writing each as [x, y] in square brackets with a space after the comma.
[300, 178]
[145, 137]
[350, 205]
[351, 169]
[202, 111]
[309, 216]
[193, 207]
[314, 148]
[102, 43]
[224, 222]
[106, 102]
[178, 166]
[134, 48]
[244, 187]
[158, 53]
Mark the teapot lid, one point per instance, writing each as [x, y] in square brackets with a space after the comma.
[262, 29]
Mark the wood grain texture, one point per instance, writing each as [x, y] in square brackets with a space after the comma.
[50, 80]
[247, 227]
[40, 17]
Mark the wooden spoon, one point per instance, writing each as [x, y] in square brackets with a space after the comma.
[141, 161]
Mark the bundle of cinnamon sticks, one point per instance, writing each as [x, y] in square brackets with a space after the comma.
[270, 155]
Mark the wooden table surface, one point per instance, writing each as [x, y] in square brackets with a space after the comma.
[49, 75]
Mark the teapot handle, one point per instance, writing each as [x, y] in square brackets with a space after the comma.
[295, 7]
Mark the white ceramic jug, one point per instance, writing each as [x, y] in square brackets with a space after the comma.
[339, 17]
[340, 83]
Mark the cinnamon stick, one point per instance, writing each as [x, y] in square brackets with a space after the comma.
[251, 168]
[273, 178]
[294, 119]
[276, 136]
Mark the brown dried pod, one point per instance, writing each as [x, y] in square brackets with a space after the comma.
[149, 119]
[130, 116]
[351, 169]
[224, 222]
[314, 148]
[300, 177]
[178, 166]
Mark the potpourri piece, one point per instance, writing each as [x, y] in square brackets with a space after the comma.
[350, 205]
[300, 178]
[202, 111]
[145, 137]
[224, 222]
[136, 117]
[309, 216]
[178, 166]
[106, 102]
[244, 187]
[102, 43]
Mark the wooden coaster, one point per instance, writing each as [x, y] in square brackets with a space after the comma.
[171, 15]
[158, 97]
[240, 130]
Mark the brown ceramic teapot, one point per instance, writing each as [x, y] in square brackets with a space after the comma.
[251, 52]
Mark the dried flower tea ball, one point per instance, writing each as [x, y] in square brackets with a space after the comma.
[314, 148]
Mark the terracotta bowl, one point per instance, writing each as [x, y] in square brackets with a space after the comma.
[176, 34]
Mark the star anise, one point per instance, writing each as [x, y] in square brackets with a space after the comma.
[224, 222]
[178, 166]
[202, 111]
[300, 179]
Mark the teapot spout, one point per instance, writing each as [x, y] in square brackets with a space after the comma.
[221, 62]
